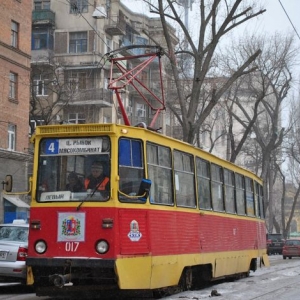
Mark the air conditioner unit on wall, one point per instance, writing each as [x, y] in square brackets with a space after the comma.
[99, 13]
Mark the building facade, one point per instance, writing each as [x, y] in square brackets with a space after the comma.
[71, 71]
[15, 58]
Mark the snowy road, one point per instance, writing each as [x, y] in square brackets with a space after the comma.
[280, 282]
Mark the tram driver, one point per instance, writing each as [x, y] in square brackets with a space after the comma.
[97, 180]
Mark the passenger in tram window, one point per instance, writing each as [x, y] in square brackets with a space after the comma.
[97, 180]
[74, 185]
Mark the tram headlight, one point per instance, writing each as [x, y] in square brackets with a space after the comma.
[102, 246]
[40, 247]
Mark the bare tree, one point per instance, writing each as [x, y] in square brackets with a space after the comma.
[51, 92]
[216, 19]
[48, 88]
[255, 102]
[292, 152]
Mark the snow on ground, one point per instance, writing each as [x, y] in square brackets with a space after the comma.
[281, 278]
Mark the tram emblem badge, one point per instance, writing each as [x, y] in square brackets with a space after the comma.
[134, 234]
[71, 227]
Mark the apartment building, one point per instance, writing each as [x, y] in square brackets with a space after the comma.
[70, 69]
[15, 58]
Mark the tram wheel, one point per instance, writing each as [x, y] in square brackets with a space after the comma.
[186, 280]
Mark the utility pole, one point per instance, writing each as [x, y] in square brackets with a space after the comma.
[187, 4]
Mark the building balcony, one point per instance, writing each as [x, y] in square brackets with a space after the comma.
[101, 97]
[115, 26]
[43, 17]
[42, 56]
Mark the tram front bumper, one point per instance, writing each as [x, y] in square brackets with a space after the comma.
[67, 268]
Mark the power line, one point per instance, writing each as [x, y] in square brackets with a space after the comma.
[289, 19]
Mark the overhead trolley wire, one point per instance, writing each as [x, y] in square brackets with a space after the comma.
[289, 19]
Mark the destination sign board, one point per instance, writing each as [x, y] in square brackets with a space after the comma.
[72, 146]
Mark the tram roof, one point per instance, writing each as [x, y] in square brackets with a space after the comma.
[93, 129]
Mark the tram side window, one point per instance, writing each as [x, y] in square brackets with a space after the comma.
[229, 191]
[261, 202]
[256, 199]
[131, 169]
[240, 194]
[203, 180]
[217, 187]
[184, 179]
[160, 173]
[249, 197]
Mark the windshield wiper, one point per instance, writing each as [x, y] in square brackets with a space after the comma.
[89, 195]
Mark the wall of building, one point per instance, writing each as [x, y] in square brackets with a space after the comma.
[15, 111]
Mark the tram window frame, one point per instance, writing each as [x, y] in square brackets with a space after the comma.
[217, 192]
[131, 169]
[229, 191]
[56, 161]
[240, 194]
[184, 178]
[249, 189]
[261, 202]
[203, 183]
[256, 199]
[159, 165]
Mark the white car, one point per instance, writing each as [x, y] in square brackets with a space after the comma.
[13, 251]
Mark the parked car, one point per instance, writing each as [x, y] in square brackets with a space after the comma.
[291, 248]
[275, 242]
[13, 251]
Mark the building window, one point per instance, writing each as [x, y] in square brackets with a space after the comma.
[40, 85]
[106, 83]
[34, 123]
[78, 42]
[41, 4]
[109, 45]
[76, 118]
[14, 34]
[141, 110]
[11, 137]
[41, 39]
[78, 6]
[77, 80]
[13, 84]
[140, 41]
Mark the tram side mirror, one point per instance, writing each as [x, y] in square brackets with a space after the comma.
[144, 189]
[7, 183]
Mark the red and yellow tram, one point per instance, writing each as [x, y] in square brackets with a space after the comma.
[173, 215]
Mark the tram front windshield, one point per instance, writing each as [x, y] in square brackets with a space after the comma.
[74, 169]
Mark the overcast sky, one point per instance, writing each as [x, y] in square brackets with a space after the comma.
[274, 19]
